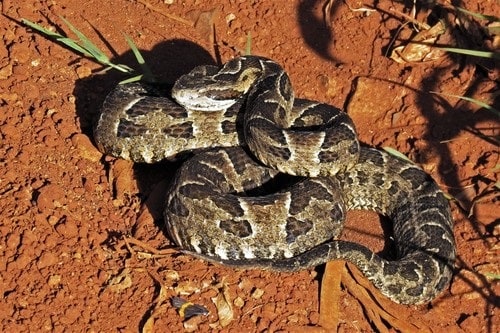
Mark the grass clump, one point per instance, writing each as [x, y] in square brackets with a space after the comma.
[87, 48]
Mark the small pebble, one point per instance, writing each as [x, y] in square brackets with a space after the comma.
[85, 147]
[83, 72]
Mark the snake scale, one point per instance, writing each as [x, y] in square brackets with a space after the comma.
[242, 132]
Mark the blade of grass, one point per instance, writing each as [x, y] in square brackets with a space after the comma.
[493, 30]
[86, 43]
[472, 100]
[478, 15]
[248, 47]
[88, 49]
[397, 153]
[132, 79]
[59, 38]
[493, 276]
[483, 54]
[148, 75]
[94, 50]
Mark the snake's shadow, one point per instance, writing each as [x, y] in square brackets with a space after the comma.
[167, 60]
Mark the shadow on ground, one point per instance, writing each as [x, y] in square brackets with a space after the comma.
[168, 60]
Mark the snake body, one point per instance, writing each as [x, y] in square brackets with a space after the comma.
[247, 131]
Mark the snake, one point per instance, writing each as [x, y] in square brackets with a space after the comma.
[267, 178]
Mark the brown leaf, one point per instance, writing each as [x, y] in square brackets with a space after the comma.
[420, 48]
[121, 281]
[223, 304]
[330, 295]
[379, 309]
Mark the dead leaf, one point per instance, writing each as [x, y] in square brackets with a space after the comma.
[121, 281]
[330, 295]
[187, 287]
[420, 48]
[494, 29]
[159, 308]
[223, 304]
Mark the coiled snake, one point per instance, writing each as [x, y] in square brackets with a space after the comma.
[246, 130]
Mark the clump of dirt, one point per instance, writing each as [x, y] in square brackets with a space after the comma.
[81, 232]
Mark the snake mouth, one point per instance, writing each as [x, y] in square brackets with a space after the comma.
[196, 102]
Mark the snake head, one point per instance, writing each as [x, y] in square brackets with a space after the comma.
[209, 88]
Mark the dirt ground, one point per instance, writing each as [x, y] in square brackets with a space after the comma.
[82, 247]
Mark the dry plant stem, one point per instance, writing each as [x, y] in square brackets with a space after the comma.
[327, 11]
[151, 250]
[360, 9]
[330, 295]
[376, 306]
[161, 12]
[421, 25]
[159, 305]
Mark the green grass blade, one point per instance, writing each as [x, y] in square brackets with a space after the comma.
[494, 30]
[472, 100]
[132, 79]
[94, 50]
[483, 54]
[148, 74]
[87, 44]
[492, 276]
[397, 153]
[248, 47]
[91, 48]
[59, 38]
[449, 197]
[84, 46]
[478, 15]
